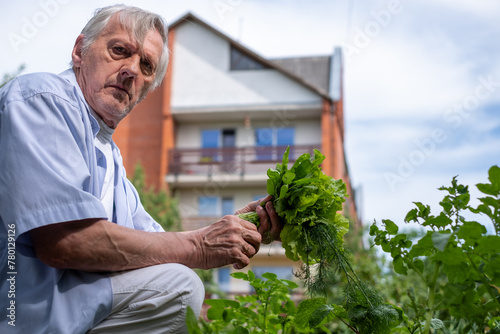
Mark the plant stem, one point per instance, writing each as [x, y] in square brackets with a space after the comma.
[266, 302]
[432, 294]
[347, 324]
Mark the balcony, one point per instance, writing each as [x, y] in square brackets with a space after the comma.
[242, 164]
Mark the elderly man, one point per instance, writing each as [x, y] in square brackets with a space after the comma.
[79, 253]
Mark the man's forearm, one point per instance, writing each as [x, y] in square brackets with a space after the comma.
[99, 245]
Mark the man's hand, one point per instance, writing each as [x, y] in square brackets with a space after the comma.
[270, 223]
[231, 240]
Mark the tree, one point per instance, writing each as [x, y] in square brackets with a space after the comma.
[9, 76]
[159, 204]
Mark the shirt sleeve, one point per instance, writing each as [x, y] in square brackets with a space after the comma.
[45, 162]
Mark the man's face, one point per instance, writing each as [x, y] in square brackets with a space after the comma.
[114, 73]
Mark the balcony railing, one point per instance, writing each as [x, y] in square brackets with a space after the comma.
[231, 160]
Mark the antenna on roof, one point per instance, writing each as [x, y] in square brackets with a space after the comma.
[240, 29]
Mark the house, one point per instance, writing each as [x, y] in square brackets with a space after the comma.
[223, 116]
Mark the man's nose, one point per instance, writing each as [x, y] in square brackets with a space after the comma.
[130, 67]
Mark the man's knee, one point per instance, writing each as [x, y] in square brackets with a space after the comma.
[186, 283]
[195, 290]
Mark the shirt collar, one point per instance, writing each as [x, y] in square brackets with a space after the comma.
[69, 75]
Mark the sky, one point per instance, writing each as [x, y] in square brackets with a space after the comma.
[421, 78]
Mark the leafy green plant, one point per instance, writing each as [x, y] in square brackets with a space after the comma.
[271, 310]
[309, 202]
[455, 259]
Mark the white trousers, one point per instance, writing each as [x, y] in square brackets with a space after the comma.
[152, 300]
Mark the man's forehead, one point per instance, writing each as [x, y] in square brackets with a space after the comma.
[115, 27]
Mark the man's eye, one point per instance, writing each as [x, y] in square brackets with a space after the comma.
[120, 49]
[147, 66]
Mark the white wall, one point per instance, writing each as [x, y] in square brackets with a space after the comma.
[201, 76]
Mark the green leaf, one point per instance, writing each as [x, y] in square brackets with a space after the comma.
[221, 303]
[494, 176]
[373, 229]
[283, 191]
[439, 221]
[285, 157]
[270, 276]
[399, 265]
[436, 324]
[192, 322]
[215, 313]
[306, 309]
[289, 284]
[288, 177]
[251, 276]
[319, 315]
[419, 265]
[240, 275]
[400, 240]
[489, 244]
[240, 330]
[423, 210]
[471, 231]
[451, 256]
[490, 201]
[412, 215]
[390, 226]
[492, 270]
[290, 236]
[487, 189]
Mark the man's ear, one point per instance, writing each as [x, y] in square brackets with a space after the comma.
[76, 54]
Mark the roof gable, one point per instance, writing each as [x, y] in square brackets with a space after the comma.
[295, 73]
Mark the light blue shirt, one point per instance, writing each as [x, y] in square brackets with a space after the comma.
[51, 172]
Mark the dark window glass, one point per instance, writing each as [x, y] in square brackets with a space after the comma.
[241, 61]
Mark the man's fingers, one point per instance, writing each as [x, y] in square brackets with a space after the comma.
[276, 224]
[252, 206]
[270, 223]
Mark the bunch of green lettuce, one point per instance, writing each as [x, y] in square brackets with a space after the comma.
[308, 202]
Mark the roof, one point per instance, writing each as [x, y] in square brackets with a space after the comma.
[311, 72]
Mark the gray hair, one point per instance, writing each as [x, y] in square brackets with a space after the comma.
[136, 20]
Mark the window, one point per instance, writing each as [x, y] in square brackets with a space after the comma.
[213, 206]
[209, 143]
[207, 206]
[224, 279]
[227, 206]
[281, 272]
[212, 140]
[266, 140]
[241, 61]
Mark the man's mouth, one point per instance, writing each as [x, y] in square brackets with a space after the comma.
[121, 88]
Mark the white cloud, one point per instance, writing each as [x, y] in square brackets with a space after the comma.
[487, 9]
